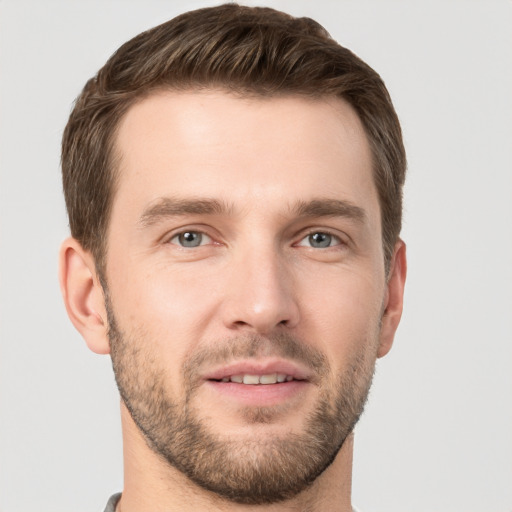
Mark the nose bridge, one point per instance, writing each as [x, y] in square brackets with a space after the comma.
[260, 294]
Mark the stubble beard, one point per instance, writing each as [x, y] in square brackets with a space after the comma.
[256, 470]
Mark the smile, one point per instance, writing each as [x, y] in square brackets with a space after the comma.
[259, 382]
[271, 378]
[259, 372]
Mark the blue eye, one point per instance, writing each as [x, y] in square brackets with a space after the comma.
[320, 240]
[190, 239]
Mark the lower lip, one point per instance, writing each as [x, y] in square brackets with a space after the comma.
[259, 394]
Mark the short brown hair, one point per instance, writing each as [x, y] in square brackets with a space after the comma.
[247, 50]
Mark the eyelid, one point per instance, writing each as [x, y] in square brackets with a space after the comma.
[342, 241]
[204, 236]
[203, 230]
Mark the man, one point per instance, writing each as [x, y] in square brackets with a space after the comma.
[233, 180]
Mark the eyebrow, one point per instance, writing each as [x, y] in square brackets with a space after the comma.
[167, 207]
[329, 208]
[171, 207]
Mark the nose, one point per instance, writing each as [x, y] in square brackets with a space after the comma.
[260, 293]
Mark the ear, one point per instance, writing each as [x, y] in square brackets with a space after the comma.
[83, 295]
[393, 304]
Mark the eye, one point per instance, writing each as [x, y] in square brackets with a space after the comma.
[320, 240]
[190, 239]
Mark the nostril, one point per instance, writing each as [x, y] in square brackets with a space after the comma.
[260, 313]
[240, 323]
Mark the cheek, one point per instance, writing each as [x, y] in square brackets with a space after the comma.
[171, 307]
[344, 314]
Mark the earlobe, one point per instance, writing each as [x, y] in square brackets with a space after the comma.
[83, 295]
[394, 298]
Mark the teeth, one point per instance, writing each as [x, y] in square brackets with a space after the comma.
[268, 379]
[251, 379]
[271, 378]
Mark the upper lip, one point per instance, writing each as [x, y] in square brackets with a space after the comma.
[259, 367]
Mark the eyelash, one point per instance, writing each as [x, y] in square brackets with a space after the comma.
[202, 234]
[337, 238]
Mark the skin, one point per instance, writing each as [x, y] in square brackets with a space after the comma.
[255, 272]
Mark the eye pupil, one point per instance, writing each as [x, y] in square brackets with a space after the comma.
[190, 239]
[320, 240]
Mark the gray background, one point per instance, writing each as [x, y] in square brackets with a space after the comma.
[437, 433]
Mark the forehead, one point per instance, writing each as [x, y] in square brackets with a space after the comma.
[214, 144]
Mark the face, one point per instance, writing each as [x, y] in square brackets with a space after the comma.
[246, 285]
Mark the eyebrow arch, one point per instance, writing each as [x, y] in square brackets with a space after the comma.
[167, 207]
[170, 207]
[329, 208]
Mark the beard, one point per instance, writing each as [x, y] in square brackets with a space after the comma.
[258, 469]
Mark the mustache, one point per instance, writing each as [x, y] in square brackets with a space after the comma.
[281, 345]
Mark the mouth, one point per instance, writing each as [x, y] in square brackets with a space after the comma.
[261, 372]
[258, 380]
[259, 383]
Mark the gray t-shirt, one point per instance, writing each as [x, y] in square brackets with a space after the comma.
[112, 502]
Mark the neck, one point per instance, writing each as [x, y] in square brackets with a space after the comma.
[150, 483]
